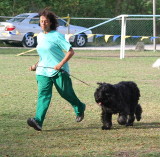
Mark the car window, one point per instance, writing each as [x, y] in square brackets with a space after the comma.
[61, 22]
[34, 20]
[18, 18]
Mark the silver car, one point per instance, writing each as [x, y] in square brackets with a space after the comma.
[24, 28]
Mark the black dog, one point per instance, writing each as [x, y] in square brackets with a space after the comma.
[121, 98]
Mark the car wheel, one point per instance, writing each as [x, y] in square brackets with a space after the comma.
[80, 40]
[29, 40]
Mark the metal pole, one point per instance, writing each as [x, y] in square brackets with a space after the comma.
[68, 23]
[154, 25]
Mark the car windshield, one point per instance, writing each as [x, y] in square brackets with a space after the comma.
[18, 18]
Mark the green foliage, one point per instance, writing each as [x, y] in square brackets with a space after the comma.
[79, 8]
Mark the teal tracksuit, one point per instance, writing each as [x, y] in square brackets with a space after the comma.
[63, 84]
[50, 50]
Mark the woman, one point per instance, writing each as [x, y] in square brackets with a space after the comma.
[52, 69]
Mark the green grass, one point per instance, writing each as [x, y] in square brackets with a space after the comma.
[61, 135]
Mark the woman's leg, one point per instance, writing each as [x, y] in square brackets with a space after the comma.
[63, 85]
[44, 97]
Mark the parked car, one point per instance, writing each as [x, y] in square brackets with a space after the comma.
[24, 28]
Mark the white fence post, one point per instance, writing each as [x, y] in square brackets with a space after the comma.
[123, 34]
[154, 25]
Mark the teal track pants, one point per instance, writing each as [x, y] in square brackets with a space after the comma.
[63, 84]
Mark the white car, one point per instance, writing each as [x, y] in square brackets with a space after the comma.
[24, 28]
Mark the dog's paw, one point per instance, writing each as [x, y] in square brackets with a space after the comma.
[138, 118]
[129, 124]
[106, 128]
[122, 119]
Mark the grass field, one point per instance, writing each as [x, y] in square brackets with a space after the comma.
[61, 135]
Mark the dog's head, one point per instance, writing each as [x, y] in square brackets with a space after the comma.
[105, 94]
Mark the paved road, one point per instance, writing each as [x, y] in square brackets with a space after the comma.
[127, 47]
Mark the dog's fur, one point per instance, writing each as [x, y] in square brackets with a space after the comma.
[121, 99]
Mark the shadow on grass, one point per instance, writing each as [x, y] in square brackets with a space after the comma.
[71, 129]
[147, 125]
[116, 127]
[152, 125]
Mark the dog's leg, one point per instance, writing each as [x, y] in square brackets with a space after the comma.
[106, 120]
[122, 119]
[138, 112]
[131, 119]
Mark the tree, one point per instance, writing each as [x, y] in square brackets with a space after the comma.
[79, 8]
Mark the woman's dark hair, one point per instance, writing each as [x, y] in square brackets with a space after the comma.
[51, 16]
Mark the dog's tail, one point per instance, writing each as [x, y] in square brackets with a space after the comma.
[138, 112]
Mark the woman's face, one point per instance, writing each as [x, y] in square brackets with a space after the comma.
[45, 24]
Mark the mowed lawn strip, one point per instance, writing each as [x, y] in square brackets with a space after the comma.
[61, 135]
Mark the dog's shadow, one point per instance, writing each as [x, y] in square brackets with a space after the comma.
[147, 125]
[153, 125]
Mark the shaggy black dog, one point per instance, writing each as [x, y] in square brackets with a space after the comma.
[121, 98]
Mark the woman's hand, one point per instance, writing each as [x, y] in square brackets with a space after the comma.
[33, 68]
[58, 66]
